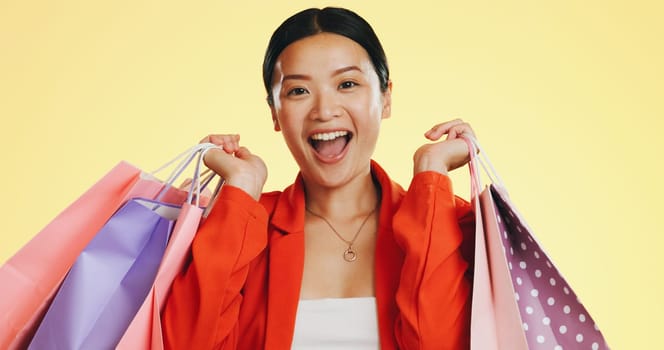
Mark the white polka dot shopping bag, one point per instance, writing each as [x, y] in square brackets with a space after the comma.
[520, 300]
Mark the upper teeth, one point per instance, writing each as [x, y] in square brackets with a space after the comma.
[327, 136]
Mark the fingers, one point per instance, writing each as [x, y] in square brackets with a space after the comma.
[441, 129]
[214, 159]
[453, 129]
[229, 142]
[243, 153]
[447, 155]
[218, 160]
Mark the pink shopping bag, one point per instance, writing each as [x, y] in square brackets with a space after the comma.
[29, 279]
[144, 332]
[520, 300]
[495, 321]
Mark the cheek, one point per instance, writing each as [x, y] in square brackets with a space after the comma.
[292, 140]
[370, 106]
[291, 125]
[290, 116]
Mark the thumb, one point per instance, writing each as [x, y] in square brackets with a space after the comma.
[243, 153]
[214, 157]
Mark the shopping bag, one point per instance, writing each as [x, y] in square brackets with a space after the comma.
[520, 299]
[110, 279]
[112, 272]
[30, 278]
[144, 332]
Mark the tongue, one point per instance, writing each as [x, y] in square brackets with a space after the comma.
[332, 148]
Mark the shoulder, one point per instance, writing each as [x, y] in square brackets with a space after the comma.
[391, 191]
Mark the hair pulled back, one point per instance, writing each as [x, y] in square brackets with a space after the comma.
[327, 20]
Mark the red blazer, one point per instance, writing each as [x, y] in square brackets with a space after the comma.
[241, 287]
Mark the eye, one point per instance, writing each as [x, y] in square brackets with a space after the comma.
[347, 85]
[297, 91]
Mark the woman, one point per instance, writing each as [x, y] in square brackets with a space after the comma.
[344, 256]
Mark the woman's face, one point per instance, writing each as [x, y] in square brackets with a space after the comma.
[328, 105]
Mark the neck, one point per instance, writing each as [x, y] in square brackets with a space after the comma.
[356, 197]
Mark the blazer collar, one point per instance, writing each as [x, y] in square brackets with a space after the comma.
[288, 214]
[289, 211]
[286, 251]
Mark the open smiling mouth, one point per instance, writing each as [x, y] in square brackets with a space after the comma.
[330, 145]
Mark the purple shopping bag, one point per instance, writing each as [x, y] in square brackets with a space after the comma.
[145, 332]
[109, 280]
[520, 300]
[552, 316]
[115, 272]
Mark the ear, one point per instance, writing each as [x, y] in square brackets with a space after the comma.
[387, 101]
[275, 121]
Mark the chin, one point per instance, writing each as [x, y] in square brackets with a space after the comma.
[336, 175]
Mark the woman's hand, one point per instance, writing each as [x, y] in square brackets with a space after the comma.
[238, 166]
[445, 155]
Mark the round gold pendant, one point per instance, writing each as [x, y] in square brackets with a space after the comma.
[350, 255]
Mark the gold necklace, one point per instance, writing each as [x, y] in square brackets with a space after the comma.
[350, 254]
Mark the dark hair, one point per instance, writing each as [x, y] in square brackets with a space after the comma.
[329, 20]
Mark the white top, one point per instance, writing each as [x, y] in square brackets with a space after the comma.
[339, 323]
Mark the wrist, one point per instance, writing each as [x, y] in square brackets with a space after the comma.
[252, 186]
[425, 163]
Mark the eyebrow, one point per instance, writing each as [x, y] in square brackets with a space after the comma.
[336, 72]
[346, 69]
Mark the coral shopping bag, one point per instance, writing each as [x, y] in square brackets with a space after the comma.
[30, 278]
[111, 277]
[144, 332]
[520, 300]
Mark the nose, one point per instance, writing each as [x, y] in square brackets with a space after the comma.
[327, 106]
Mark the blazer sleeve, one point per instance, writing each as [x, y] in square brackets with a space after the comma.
[202, 309]
[433, 296]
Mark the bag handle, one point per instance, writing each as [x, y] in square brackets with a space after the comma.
[199, 181]
[180, 156]
[186, 158]
[475, 181]
[478, 155]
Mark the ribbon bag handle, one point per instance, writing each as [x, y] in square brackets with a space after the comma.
[199, 180]
[478, 155]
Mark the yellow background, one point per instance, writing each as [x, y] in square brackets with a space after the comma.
[565, 96]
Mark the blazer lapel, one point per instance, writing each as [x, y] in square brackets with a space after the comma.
[286, 256]
[388, 259]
